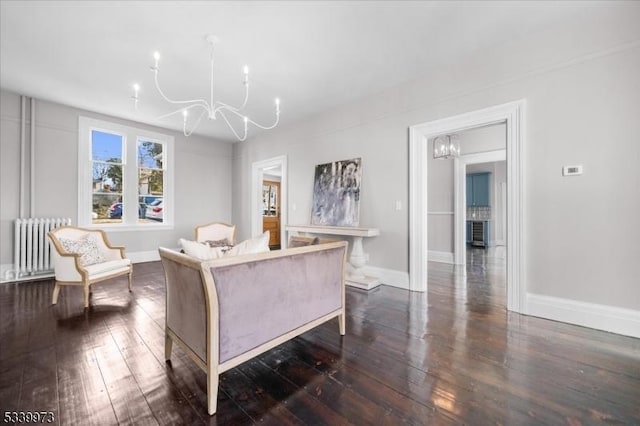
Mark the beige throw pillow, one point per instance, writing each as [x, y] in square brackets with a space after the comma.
[86, 246]
[259, 244]
[200, 251]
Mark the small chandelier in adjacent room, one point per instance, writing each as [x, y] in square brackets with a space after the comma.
[446, 146]
[209, 108]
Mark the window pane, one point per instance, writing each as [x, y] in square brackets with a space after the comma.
[150, 155]
[107, 208]
[150, 195]
[107, 178]
[106, 147]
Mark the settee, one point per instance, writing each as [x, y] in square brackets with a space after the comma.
[225, 311]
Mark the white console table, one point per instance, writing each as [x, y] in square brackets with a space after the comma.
[357, 258]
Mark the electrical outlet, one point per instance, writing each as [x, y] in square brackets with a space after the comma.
[398, 205]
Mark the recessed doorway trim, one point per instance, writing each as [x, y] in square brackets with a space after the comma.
[512, 114]
[257, 173]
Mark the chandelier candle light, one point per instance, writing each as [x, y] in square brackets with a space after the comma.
[212, 109]
[446, 146]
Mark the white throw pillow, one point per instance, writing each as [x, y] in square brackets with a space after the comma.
[259, 244]
[86, 246]
[199, 250]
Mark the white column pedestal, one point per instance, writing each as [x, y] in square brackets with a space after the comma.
[358, 259]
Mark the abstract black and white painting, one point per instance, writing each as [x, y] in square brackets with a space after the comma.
[336, 193]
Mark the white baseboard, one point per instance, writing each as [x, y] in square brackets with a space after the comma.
[390, 277]
[440, 256]
[601, 317]
[5, 269]
[7, 275]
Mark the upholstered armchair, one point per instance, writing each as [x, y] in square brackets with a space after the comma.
[83, 257]
[216, 231]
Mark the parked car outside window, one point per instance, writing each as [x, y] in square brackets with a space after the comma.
[146, 200]
[154, 210]
[115, 211]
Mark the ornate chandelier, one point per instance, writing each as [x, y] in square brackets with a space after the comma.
[211, 109]
[446, 146]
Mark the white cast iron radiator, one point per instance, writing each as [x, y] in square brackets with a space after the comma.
[31, 250]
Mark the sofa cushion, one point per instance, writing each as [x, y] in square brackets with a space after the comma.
[259, 244]
[224, 244]
[111, 266]
[200, 251]
[86, 246]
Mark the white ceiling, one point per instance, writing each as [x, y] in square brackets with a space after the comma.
[314, 55]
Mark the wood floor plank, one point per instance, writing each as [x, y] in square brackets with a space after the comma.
[166, 402]
[452, 356]
[127, 399]
[83, 397]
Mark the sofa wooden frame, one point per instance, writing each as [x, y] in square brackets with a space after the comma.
[211, 365]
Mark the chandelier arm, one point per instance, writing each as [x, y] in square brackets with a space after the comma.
[204, 109]
[265, 127]
[257, 124]
[204, 103]
[224, 117]
[218, 105]
[195, 126]
[222, 105]
[246, 95]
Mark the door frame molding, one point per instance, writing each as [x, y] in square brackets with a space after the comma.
[512, 114]
[257, 175]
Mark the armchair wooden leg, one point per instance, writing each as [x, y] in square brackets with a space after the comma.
[341, 323]
[130, 280]
[56, 292]
[86, 295]
[168, 344]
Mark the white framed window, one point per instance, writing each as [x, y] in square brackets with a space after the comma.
[125, 177]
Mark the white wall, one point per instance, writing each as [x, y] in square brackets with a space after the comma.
[202, 176]
[582, 94]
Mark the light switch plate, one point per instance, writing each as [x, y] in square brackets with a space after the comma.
[572, 170]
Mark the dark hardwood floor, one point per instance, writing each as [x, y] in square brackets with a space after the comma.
[459, 358]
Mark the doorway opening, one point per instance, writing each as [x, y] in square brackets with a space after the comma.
[479, 203]
[271, 206]
[269, 200]
[482, 213]
[512, 115]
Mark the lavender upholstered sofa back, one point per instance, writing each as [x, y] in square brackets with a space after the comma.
[260, 301]
[252, 299]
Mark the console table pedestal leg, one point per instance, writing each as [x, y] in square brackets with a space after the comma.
[358, 259]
